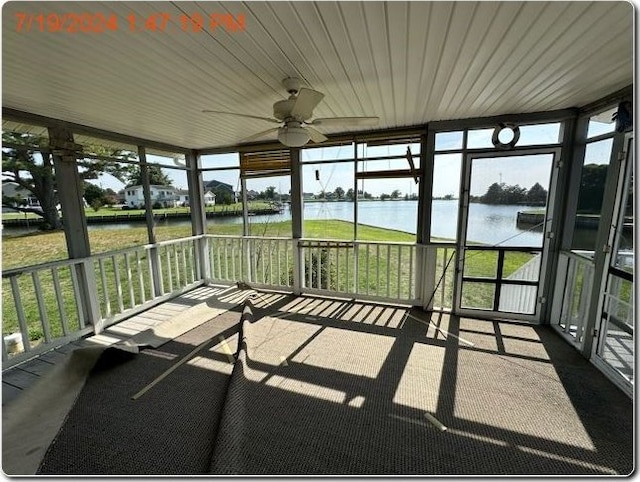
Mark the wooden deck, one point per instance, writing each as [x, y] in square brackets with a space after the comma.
[18, 378]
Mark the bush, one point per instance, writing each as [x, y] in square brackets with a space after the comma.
[96, 204]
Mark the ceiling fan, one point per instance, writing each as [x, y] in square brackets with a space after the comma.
[294, 113]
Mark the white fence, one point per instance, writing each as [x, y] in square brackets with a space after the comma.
[50, 304]
[574, 284]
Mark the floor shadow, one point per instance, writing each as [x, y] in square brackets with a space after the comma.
[326, 386]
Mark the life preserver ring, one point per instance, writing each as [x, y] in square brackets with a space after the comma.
[495, 139]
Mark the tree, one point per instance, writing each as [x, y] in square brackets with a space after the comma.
[339, 192]
[537, 195]
[110, 197]
[35, 172]
[395, 194]
[592, 184]
[93, 193]
[156, 176]
[223, 196]
[269, 193]
[384, 197]
[350, 195]
[494, 195]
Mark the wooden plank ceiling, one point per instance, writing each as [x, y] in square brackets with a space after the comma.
[406, 62]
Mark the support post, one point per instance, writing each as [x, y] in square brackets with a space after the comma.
[425, 257]
[296, 220]
[603, 245]
[247, 255]
[156, 272]
[198, 215]
[70, 194]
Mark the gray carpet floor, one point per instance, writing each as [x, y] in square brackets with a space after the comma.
[329, 387]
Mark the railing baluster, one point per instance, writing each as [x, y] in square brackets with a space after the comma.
[107, 298]
[377, 270]
[388, 269]
[22, 322]
[318, 268]
[346, 287]
[270, 263]
[338, 269]
[116, 275]
[82, 322]
[279, 248]
[286, 261]
[167, 253]
[309, 266]
[143, 296]
[176, 253]
[444, 275]
[399, 268]
[186, 264]
[42, 307]
[226, 260]
[127, 267]
[410, 294]
[367, 275]
[64, 321]
[233, 259]
[197, 268]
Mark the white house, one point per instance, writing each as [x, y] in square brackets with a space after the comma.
[209, 198]
[182, 197]
[166, 196]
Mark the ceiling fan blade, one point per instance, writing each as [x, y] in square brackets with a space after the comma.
[355, 121]
[268, 119]
[258, 135]
[305, 102]
[315, 135]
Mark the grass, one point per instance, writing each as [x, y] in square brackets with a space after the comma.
[384, 270]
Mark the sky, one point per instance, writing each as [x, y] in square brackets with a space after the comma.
[522, 170]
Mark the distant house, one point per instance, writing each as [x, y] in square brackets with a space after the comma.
[182, 197]
[166, 196]
[217, 186]
[209, 198]
[18, 195]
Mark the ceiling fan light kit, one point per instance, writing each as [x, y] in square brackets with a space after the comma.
[294, 113]
[292, 135]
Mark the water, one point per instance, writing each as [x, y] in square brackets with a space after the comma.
[487, 224]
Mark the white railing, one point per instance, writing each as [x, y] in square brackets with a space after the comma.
[440, 295]
[365, 269]
[50, 304]
[616, 344]
[574, 284]
[128, 278]
[41, 305]
[261, 261]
